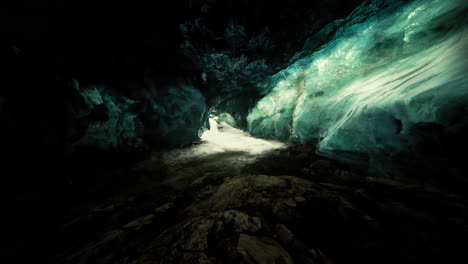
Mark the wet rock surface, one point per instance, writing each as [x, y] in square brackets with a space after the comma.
[321, 212]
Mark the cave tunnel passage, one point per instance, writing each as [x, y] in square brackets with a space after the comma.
[130, 135]
[221, 139]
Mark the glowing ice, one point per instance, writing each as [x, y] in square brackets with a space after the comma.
[363, 91]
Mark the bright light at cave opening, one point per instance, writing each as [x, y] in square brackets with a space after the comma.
[223, 137]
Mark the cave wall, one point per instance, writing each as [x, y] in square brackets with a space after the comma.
[388, 69]
[105, 121]
[235, 45]
[127, 78]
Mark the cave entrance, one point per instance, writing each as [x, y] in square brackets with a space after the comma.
[223, 137]
[223, 143]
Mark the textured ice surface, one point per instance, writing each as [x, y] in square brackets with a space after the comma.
[121, 129]
[360, 94]
[176, 117]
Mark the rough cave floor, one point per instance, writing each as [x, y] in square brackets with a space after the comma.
[264, 202]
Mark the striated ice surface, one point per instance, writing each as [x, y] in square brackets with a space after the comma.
[361, 93]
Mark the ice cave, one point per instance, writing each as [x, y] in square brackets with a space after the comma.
[235, 131]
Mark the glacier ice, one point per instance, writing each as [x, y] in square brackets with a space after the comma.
[361, 93]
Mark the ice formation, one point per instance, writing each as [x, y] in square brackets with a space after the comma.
[362, 92]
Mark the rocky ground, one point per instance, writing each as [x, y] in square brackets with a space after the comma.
[288, 206]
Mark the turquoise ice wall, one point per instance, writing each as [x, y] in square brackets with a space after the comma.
[390, 65]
